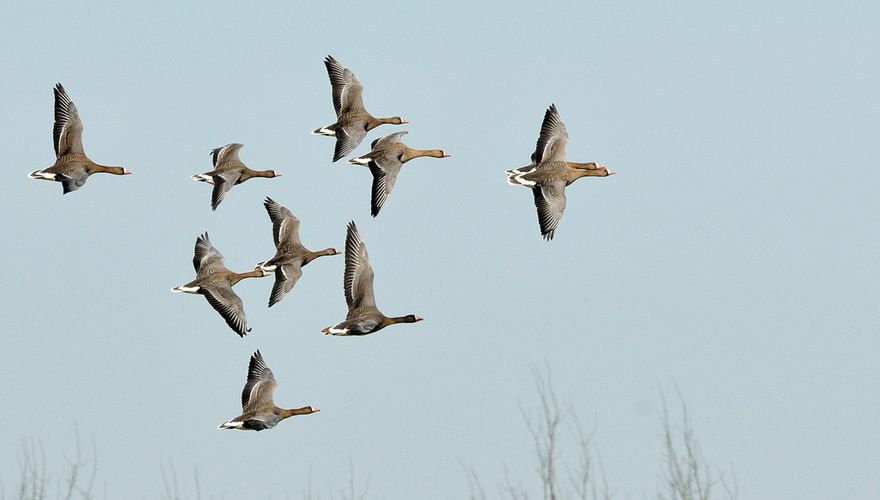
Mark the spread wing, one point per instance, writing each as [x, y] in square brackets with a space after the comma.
[285, 277]
[358, 281]
[206, 256]
[348, 138]
[384, 175]
[67, 130]
[552, 140]
[72, 181]
[226, 153]
[388, 139]
[228, 304]
[550, 201]
[222, 184]
[285, 227]
[260, 383]
[346, 87]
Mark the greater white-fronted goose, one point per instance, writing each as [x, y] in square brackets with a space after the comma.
[290, 255]
[72, 167]
[352, 120]
[229, 171]
[388, 155]
[215, 282]
[258, 410]
[363, 317]
[550, 172]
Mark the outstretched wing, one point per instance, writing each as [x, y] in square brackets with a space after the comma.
[346, 87]
[347, 138]
[228, 304]
[222, 184]
[358, 280]
[206, 256]
[552, 140]
[285, 277]
[550, 201]
[285, 226]
[67, 130]
[72, 181]
[260, 383]
[384, 175]
[225, 153]
[388, 139]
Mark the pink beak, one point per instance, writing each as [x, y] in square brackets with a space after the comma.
[402, 121]
[126, 171]
[447, 155]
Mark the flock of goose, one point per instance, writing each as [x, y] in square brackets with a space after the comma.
[546, 175]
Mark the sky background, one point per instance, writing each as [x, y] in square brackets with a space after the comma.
[734, 254]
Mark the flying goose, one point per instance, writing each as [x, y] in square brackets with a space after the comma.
[229, 171]
[215, 282]
[72, 167]
[290, 255]
[549, 172]
[388, 154]
[363, 317]
[258, 411]
[352, 120]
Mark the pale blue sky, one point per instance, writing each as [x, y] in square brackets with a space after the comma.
[735, 253]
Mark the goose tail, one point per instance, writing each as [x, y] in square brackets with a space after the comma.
[324, 131]
[39, 174]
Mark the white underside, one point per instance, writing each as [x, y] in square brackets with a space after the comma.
[203, 178]
[37, 174]
[233, 425]
[360, 161]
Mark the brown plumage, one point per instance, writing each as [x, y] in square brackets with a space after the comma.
[290, 254]
[215, 282]
[549, 172]
[385, 160]
[363, 316]
[352, 119]
[229, 171]
[72, 167]
[258, 410]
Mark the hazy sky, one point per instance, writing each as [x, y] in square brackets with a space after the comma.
[734, 254]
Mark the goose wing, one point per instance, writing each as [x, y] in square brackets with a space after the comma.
[223, 182]
[285, 227]
[388, 139]
[67, 130]
[346, 87]
[348, 138]
[550, 202]
[358, 280]
[552, 140]
[206, 256]
[228, 304]
[384, 172]
[285, 277]
[72, 180]
[260, 384]
[225, 153]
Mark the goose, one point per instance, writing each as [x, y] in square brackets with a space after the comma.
[229, 171]
[258, 411]
[363, 317]
[215, 282]
[550, 172]
[387, 156]
[352, 120]
[290, 255]
[72, 167]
